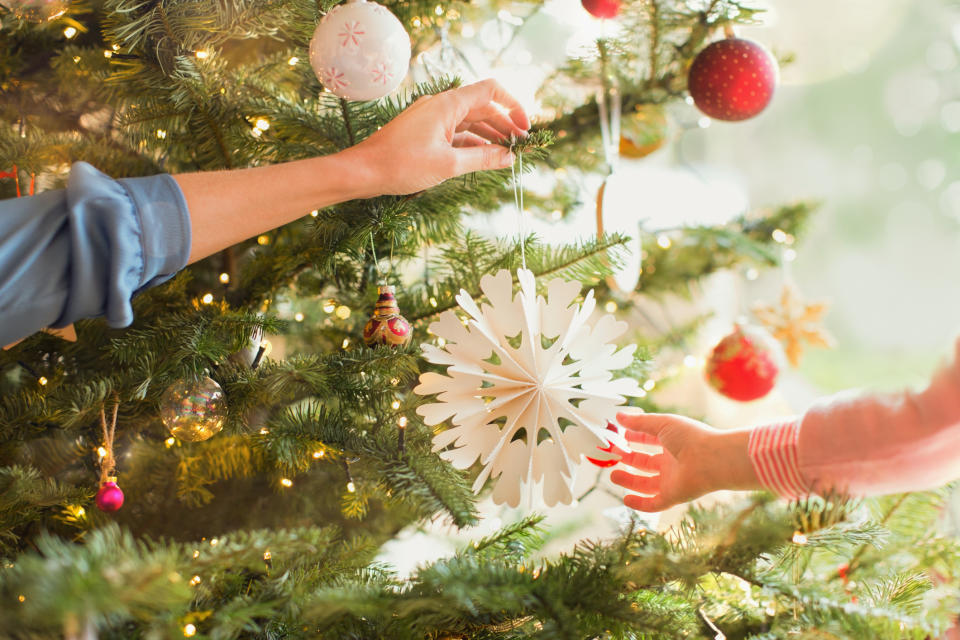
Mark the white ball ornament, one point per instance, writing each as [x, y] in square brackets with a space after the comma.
[360, 51]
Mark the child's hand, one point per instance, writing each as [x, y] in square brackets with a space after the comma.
[696, 459]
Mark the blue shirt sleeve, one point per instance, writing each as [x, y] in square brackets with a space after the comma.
[86, 250]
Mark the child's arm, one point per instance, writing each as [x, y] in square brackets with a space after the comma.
[862, 444]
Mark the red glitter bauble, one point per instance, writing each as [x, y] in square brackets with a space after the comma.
[602, 8]
[741, 367]
[387, 326]
[110, 497]
[732, 79]
[610, 448]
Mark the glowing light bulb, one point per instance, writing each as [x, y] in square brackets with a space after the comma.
[663, 241]
[314, 213]
[779, 235]
[799, 538]
[298, 316]
[189, 630]
[352, 488]
[225, 278]
[43, 381]
[161, 134]
[287, 482]
[262, 240]
[267, 555]
[610, 307]
[262, 123]
[433, 302]
[170, 441]
[343, 312]
[649, 385]
[346, 343]
[202, 55]
[395, 404]
[330, 306]
[319, 454]
[195, 580]
[293, 61]
[207, 298]
[402, 422]
[69, 32]
[101, 452]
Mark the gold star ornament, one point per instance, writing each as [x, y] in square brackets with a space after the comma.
[795, 323]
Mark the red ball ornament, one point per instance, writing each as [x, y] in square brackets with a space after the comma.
[602, 8]
[611, 449]
[109, 497]
[742, 367]
[732, 79]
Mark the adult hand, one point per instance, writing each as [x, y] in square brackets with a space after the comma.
[696, 460]
[443, 136]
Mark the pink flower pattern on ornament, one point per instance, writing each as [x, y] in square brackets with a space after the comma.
[382, 73]
[334, 79]
[350, 36]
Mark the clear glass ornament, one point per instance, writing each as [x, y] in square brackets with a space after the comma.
[194, 410]
[36, 10]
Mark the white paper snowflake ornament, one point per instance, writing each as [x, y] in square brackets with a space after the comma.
[529, 388]
[360, 51]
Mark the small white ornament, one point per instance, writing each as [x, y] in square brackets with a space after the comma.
[531, 364]
[360, 51]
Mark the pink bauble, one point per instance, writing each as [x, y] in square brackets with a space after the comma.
[110, 497]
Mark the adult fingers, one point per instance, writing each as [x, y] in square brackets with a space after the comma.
[647, 485]
[483, 130]
[492, 116]
[643, 461]
[643, 503]
[479, 95]
[467, 140]
[488, 156]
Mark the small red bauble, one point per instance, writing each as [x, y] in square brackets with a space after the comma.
[732, 79]
[742, 367]
[109, 497]
[610, 448]
[602, 8]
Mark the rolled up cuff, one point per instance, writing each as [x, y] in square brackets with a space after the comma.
[773, 453]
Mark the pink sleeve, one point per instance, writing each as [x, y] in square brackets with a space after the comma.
[867, 444]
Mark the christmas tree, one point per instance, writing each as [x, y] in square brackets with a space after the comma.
[263, 517]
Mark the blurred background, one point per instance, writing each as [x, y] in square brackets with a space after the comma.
[865, 122]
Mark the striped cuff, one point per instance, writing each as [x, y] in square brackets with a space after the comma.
[773, 452]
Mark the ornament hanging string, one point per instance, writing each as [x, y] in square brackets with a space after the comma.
[376, 262]
[109, 462]
[517, 174]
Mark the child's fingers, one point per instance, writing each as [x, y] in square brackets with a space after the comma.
[649, 423]
[642, 503]
[642, 438]
[649, 485]
[643, 461]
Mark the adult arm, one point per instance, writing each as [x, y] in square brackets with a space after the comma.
[87, 250]
[437, 138]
